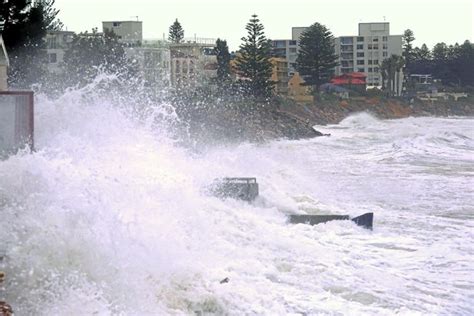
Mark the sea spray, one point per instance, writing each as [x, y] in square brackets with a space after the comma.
[110, 216]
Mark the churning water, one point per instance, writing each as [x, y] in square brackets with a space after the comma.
[109, 216]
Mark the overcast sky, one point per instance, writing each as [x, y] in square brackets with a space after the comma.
[432, 21]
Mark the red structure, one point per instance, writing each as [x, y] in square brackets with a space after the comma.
[350, 79]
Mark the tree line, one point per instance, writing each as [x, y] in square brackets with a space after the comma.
[452, 64]
[26, 24]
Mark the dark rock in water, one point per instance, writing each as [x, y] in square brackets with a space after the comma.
[364, 220]
[225, 280]
[237, 188]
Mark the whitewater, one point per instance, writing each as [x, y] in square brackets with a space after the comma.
[110, 216]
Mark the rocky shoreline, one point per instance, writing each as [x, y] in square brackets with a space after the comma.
[332, 112]
[211, 124]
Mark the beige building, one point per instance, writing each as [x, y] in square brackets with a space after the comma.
[193, 62]
[128, 32]
[4, 64]
[280, 75]
[366, 51]
[297, 91]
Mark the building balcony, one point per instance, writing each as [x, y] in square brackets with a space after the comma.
[346, 56]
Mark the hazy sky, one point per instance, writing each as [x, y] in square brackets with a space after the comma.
[432, 21]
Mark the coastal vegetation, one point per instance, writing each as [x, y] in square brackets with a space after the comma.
[316, 59]
[176, 32]
[452, 64]
[253, 61]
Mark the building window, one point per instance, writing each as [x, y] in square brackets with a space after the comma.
[53, 58]
[346, 40]
[279, 44]
[115, 24]
[292, 49]
[360, 69]
[370, 61]
[376, 46]
[360, 46]
[376, 69]
[52, 43]
[385, 54]
[360, 39]
[369, 46]
[177, 67]
[360, 62]
[370, 69]
[293, 43]
[384, 38]
[385, 46]
[361, 54]
[376, 62]
[375, 39]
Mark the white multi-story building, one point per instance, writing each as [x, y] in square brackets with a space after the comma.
[152, 56]
[57, 43]
[128, 32]
[366, 51]
[288, 50]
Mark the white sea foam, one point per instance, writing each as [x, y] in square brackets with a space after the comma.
[109, 217]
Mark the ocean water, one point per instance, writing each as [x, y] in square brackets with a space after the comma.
[110, 217]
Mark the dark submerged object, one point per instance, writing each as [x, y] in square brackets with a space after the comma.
[365, 220]
[237, 188]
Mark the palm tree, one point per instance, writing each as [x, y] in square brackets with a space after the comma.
[399, 63]
[390, 70]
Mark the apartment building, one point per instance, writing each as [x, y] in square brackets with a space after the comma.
[128, 32]
[152, 56]
[288, 50]
[57, 43]
[297, 31]
[366, 51]
[193, 62]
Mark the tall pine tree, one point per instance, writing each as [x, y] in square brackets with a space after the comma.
[176, 32]
[253, 60]
[316, 58]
